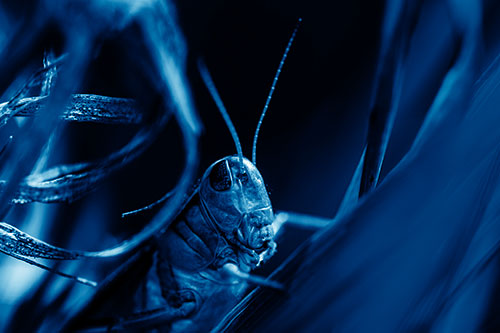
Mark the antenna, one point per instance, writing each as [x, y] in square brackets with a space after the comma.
[273, 86]
[207, 79]
[168, 195]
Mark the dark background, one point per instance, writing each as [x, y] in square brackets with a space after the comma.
[312, 137]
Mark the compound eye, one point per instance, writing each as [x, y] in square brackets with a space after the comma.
[220, 176]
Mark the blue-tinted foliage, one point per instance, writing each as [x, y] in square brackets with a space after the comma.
[380, 154]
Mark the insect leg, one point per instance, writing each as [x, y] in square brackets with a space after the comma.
[233, 270]
[176, 298]
[150, 319]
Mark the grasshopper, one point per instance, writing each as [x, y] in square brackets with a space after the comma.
[199, 267]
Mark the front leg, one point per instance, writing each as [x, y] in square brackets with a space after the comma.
[269, 252]
[232, 271]
[182, 301]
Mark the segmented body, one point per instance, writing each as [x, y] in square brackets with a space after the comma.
[186, 273]
[196, 268]
[192, 271]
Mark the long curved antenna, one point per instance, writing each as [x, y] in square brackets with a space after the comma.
[150, 206]
[207, 79]
[165, 197]
[273, 86]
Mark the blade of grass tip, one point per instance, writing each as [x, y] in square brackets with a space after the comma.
[380, 127]
[17, 101]
[37, 79]
[400, 21]
[351, 195]
[17, 242]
